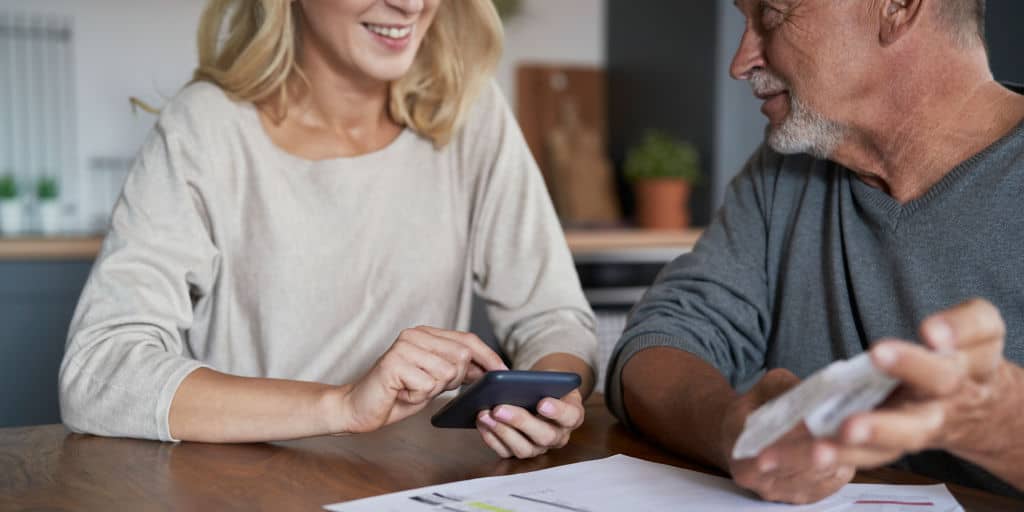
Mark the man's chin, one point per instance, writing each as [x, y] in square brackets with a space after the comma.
[783, 141]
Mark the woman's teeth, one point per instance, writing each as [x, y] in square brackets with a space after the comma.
[389, 32]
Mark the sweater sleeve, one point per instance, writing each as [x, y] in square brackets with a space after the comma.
[714, 301]
[126, 352]
[522, 267]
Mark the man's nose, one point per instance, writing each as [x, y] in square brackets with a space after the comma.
[749, 56]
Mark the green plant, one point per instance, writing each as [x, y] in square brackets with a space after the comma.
[8, 187]
[508, 8]
[660, 156]
[47, 189]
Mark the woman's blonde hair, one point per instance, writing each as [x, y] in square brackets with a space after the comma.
[249, 48]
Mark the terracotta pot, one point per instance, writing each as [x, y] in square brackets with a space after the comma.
[663, 203]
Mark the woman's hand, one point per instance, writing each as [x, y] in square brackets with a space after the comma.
[513, 432]
[422, 363]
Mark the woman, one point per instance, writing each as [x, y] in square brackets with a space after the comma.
[340, 172]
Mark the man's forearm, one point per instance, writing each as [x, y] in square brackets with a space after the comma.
[995, 445]
[679, 400]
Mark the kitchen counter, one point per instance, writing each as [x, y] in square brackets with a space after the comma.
[65, 248]
[581, 242]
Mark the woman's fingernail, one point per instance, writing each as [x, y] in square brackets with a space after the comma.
[941, 335]
[767, 464]
[885, 356]
[547, 408]
[486, 419]
[503, 414]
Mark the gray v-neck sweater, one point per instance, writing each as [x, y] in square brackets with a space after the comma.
[806, 264]
[226, 251]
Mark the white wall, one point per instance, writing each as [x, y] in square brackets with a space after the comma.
[553, 31]
[123, 48]
[146, 48]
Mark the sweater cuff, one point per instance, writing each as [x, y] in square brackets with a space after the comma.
[575, 340]
[163, 405]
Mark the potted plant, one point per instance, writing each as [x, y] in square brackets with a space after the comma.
[10, 206]
[47, 193]
[507, 9]
[662, 171]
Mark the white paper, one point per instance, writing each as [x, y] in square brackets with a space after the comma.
[620, 483]
[822, 401]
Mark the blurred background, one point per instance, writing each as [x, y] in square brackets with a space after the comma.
[626, 105]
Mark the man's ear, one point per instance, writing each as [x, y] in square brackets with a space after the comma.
[897, 18]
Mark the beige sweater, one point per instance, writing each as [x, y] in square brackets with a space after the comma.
[227, 252]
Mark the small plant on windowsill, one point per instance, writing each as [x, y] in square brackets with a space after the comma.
[8, 187]
[10, 205]
[508, 9]
[46, 189]
[47, 194]
[663, 170]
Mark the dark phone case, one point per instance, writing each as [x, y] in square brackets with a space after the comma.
[519, 388]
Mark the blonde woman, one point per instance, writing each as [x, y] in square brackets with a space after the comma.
[295, 251]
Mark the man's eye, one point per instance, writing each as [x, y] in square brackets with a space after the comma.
[770, 16]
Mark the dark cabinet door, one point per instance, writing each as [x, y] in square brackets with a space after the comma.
[37, 300]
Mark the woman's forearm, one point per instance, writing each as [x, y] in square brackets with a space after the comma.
[218, 408]
[560, 362]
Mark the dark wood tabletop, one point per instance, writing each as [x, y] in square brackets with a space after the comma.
[48, 468]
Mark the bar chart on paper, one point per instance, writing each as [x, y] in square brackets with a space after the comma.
[624, 483]
[546, 500]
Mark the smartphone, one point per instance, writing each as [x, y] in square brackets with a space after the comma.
[520, 388]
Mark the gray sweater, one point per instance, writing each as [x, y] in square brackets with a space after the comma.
[806, 264]
[225, 251]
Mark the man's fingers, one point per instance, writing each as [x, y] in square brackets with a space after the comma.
[795, 456]
[926, 372]
[866, 457]
[775, 383]
[798, 471]
[968, 324]
[983, 360]
[482, 354]
[910, 428]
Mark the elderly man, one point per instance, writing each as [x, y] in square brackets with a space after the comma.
[887, 200]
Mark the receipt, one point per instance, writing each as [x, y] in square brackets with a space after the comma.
[822, 401]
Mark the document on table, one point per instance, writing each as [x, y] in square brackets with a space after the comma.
[621, 483]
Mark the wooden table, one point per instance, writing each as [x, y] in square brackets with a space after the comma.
[48, 468]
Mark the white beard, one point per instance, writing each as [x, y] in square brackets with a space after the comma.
[803, 130]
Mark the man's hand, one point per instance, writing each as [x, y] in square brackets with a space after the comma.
[795, 469]
[954, 390]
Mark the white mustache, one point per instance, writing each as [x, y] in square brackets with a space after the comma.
[762, 82]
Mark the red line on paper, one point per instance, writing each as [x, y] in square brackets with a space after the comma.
[893, 502]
